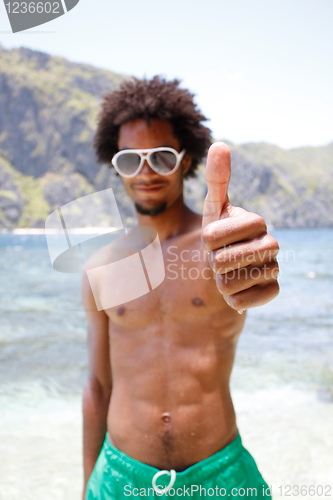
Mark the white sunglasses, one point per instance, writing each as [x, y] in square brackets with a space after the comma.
[164, 160]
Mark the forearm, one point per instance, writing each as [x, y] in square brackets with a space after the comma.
[95, 409]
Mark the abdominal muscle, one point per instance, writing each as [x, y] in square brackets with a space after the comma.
[170, 405]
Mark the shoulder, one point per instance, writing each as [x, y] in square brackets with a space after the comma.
[104, 254]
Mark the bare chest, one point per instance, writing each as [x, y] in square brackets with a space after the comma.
[187, 295]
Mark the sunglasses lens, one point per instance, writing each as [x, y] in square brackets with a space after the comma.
[163, 161]
[128, 163]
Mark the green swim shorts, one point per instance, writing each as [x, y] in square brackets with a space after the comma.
[229, 473]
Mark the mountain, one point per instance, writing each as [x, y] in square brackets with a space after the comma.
[48, 111]
[289, 188]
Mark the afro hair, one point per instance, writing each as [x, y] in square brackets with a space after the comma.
[156, 98]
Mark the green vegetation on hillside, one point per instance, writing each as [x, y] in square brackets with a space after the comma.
[48, 111]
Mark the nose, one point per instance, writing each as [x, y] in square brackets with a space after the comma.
[146, 170]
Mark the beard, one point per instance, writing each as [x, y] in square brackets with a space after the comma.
[151, 211]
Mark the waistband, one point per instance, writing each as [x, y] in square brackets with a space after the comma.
[220, 460]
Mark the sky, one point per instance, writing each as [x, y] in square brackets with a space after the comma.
[261, 70]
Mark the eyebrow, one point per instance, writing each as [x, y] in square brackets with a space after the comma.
[162, 146]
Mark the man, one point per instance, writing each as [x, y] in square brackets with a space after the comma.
[158, 393]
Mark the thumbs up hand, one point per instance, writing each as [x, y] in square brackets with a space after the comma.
[241, 252]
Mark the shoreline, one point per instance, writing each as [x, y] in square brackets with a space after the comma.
[103, 230]
[43, 231]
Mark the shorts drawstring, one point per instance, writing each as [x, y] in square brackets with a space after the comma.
[159, 489]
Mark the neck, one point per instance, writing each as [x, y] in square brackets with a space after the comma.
[175, 220]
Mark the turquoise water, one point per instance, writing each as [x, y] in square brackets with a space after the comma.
[291, 338]
[42, 323]
[282, 382]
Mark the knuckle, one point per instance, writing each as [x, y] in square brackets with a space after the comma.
[208, 236]
[271, 290]
[219, 260]
[219, 257]
[213, 261]
[224, 286]
[236, 301]
[271, 245]
[217, 267]
[259, 221]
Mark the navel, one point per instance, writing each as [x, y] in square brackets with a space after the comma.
[197, 302]
[121, 310]
[166, 418]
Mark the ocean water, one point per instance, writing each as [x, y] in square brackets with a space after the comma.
[282, 382]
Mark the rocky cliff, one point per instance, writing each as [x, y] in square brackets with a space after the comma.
[48, 110]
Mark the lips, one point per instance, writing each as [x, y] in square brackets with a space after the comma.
[148, 188]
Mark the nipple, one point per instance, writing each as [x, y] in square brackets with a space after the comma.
[197, 302]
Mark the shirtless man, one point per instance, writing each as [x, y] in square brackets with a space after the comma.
[157, 393]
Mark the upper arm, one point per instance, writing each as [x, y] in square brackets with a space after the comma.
[98, 340]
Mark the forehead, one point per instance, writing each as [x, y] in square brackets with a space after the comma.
[138, 134]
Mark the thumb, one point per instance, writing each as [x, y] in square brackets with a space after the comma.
[218, 171]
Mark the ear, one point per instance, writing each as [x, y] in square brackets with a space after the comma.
[186, 163]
